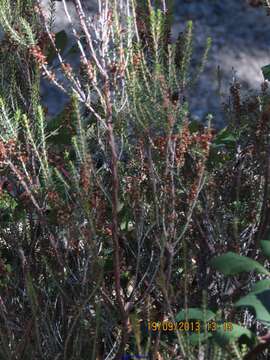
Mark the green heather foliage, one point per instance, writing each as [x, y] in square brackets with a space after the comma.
[112, 211]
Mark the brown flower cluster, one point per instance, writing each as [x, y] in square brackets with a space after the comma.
[59, 163]
[236, 99]
[38, 55]
[203, 140]
[117, 68]
[23, 157]
[63, 211]
[67, 69]
[64, 215]
[54, 198]
[183, 146]
[136, 61]
[7, 149]
[85, 176]
[44, 40]
[166, 93]
[263, 125]
[100, 207]
[88, 68]
[132, 185]
[160, 143]
[182, 142]
[193, 191]
[3, 152]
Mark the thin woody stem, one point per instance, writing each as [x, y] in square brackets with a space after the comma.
[25, 186]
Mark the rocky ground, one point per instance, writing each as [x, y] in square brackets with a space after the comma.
[240, 47]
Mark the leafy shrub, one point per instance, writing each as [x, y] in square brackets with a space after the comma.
[112, 210]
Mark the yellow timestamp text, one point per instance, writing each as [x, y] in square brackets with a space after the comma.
[185, 326]
[190, 326]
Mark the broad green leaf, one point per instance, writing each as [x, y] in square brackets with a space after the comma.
[107, 252]
[108, 265]
[19, 212]
[120, 206]
[223, 337]
[126, 225]
[61, 41]
[266, 72]
[195, 314]
[8, 268]
[201, 337]
[265, 246]
[261, 285]
[195, 126]
[232, 264]
[224, 137]
[74, 50]
[260, 302]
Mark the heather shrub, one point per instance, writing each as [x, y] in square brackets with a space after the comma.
[111, 211]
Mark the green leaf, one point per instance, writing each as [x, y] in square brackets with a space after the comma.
[195, 126]
[108, 265]
[224, 137]
[61, 41]
[126, 225]
[261, 285]
[196, 339]
[265, 246]
[74, 50]
[120, 206]
[232, 264]
[195, 314]
[224, 337]
[19, 212]
[266, 72]
[260, 302]
[8, 268]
